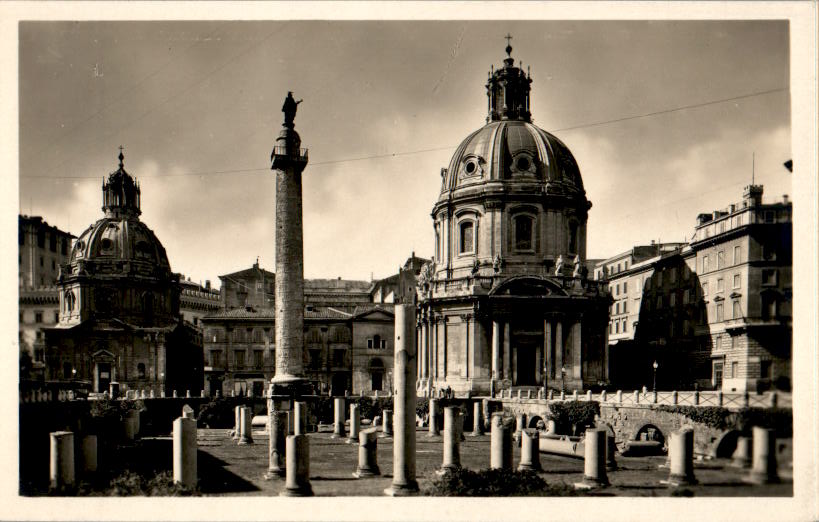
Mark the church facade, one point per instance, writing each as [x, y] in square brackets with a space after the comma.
[119, 306]
[505, 301]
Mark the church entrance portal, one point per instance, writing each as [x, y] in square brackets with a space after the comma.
[103, 376]
[526, 363]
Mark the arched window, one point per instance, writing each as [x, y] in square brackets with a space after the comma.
[467, 239]
[141, 371]
[69, 300]
[523, 233]
[573, 237]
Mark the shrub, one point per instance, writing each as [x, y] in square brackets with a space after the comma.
[218, 413]
[134, 484]
[571, 416]
[494, 482]
[370, 407]
[778, 419]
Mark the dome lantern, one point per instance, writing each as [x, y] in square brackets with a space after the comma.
[508, 91]
[120, 194]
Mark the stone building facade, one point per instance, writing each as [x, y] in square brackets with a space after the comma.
[347, 337]
[714, 313]
[42, 249]
[744, 260]
[119, 306]
[505, 301]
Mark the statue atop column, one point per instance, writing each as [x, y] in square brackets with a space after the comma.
[289, 109]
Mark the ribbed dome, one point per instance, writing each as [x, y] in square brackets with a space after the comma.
[120, 242]
[117, 240]
[513, 151]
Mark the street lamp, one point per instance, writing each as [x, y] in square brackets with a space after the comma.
[655, 365]
[563, 379]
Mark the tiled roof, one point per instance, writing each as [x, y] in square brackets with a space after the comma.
[363, 310]
[325, 313]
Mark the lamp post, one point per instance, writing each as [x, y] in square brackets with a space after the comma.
[655, 365]
[563, 379]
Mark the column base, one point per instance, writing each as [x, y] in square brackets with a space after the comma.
[476, 434]
[435, 433]
[441, 472]
[743, 463]
[244, 441]
[403, 490]
[529, 467]
[760, 479]
[679, 480]
[372, 471]
[351, 440]
[339, 436]
[591, 483]
[305, 490]
[290, 386]
[273, 473]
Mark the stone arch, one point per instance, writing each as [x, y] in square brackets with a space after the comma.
[652, 433]
[726, 444]
[533, 420]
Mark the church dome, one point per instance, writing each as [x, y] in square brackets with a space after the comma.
[513, 151]
[512, 200]
[120, 241]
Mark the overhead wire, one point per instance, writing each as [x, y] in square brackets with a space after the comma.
[435, 149]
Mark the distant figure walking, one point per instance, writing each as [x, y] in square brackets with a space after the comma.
[289, 108]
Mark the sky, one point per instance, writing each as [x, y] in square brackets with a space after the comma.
[666, 119]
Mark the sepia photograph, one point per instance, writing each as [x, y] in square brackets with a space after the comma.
[529, 252]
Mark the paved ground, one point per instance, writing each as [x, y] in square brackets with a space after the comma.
[228, 469]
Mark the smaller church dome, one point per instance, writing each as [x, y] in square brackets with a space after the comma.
[120, 236]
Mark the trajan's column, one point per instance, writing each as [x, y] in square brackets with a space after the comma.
[289, 160]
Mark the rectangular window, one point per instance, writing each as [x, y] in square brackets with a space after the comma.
[686, 296]
[38, 317]
[734, 370]
[338, 358]
[737, 255]
[617, 307]
[673, 275]
[717, 375]
[720, 259]
[52, 242]
[672, 299]
[617, 327]
[626, 265]
[704, 264]
[625, 326]
[467, 229]
[383, 344]
[523, 233]
[239, 358]
[769, 277]
[737, 281]
[216, 358]
[720, 312]
[625, 308]
[705, 288]
[315, 359]
[720, 285]
[736, 311]
[765, 368]
[370, 344]
[625, 287]
[618, 268]
[258, 359]
[769, 216]
[56, 317]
